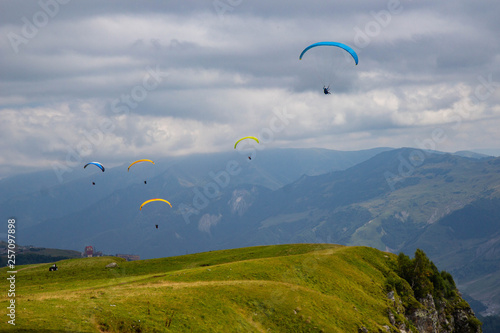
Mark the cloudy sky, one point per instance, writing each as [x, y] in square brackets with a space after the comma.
[114, 80]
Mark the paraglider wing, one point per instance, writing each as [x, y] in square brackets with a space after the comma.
[148, 201]
[342, 46]
[246, 137]
[143, 160]
[99, 165]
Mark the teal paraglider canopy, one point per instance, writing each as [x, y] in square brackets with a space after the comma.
[342, 46]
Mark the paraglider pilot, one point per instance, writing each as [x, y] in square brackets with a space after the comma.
[326, 90]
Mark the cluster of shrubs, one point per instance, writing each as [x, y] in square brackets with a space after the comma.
[424, 278]
[416, 278]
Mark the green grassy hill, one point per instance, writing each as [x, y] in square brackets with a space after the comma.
[283, 288]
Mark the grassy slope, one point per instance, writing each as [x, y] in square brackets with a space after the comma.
[284, 288]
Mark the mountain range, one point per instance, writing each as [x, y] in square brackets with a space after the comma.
[395, 200]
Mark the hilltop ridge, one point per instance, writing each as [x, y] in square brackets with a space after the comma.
[281, 288]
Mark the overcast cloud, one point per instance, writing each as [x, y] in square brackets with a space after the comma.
[115, 80]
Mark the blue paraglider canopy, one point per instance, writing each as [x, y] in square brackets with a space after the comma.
[99, 165]
[342, 46]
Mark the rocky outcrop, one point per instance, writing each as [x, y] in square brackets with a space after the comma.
[428, 317]
[112, 265]
[426, 300]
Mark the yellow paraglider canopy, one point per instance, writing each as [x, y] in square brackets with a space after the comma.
[143, 160]
[246, 137]
[148, 201]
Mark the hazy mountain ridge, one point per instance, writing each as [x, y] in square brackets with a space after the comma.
[41, 197]
[33, 197]
[365, 187]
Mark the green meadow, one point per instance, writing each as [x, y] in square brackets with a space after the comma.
[281, 288]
